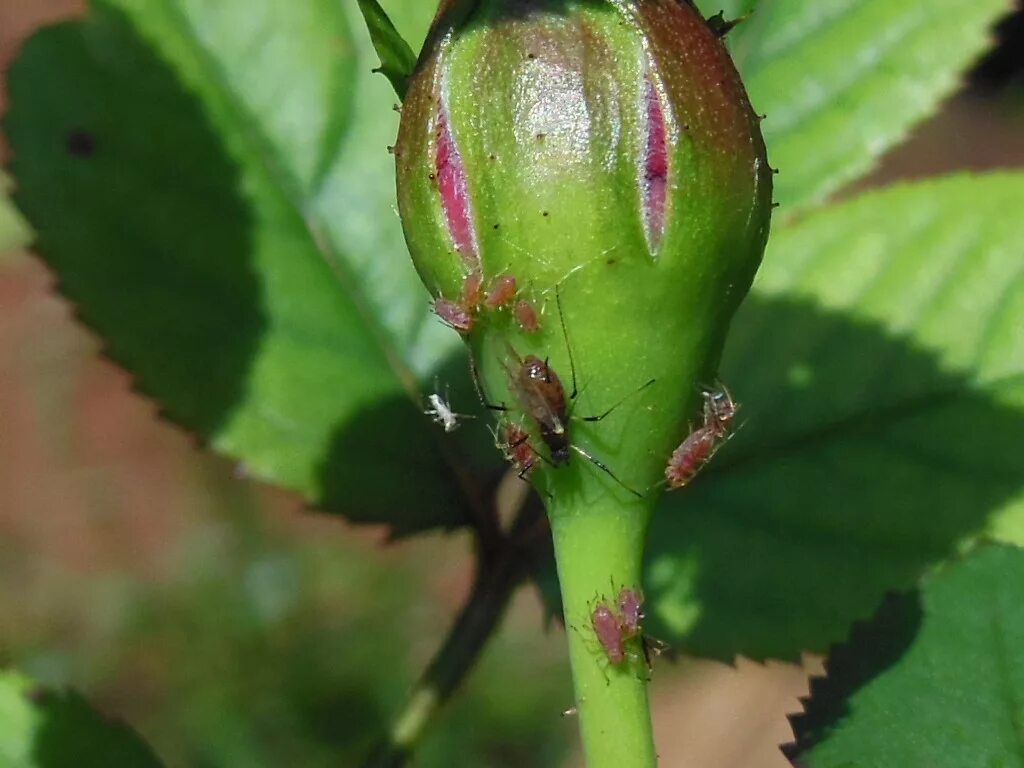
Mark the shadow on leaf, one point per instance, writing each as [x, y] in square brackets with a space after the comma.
[872, 648]
[389, 465]
[383, 467]
[859, 463]
[71, 733]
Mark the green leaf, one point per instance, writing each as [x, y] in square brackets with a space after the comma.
[210, 182]
[841, 82]
[14, 232]
[39, 729]
[730, 9]
[396, 57]
[879, 365]
[936, 679]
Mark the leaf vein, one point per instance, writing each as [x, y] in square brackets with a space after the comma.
[286, 182]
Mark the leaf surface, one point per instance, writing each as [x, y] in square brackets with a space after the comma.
[14, 232]
[841, 82]
[40, 729]
[936, 678]
[211, 184]
[879, 364]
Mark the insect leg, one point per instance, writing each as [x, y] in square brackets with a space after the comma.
[478, 386]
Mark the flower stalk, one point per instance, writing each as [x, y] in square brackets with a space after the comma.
[585, 194]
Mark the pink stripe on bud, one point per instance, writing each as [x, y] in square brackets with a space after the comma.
[451, 183]
[655, 178]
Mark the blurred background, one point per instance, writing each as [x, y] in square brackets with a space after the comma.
[233, 627]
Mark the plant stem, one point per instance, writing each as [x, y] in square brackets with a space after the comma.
[492, 591]
[599, 550]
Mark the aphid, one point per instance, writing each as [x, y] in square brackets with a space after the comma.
[454, 315]
[472, 290]
[541, 395]
[608, 632]
[719, 410]
[461, 315]
[615, 629]
[515, 445]
[502, 291]
[631, 612]
[631, 615]
[691, 455]
[526, 316]
[441, 412]
[702, 443]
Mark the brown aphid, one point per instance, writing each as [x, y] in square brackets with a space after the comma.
[606, 627]
[542, 396]
[454, 315]
[526, 316]
[502, 291]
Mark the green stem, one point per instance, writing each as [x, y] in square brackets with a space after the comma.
[492, 591]
[599, 550]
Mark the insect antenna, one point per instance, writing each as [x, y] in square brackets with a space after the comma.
[576, 391]
[565, 335]
[639, 389]
[604, 468]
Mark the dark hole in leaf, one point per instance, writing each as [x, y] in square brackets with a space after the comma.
[80, 143]
[151, 239]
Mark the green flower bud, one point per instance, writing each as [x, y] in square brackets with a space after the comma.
[585, 183]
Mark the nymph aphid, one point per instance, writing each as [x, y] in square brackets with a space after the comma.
[462, 314]
[514, 443]
[441, 412]
[526, 316]
[614, 629]
[472, 290]
[454, 314]
[631, 614]
[608, 631]
[501, 292]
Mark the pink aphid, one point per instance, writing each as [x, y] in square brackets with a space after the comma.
[631, 612]
[515, 444]
[526, 316]
[502, 291]
[472, 290]
[609, 634]
[691, 455]
[701, 444]
[454, 315]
